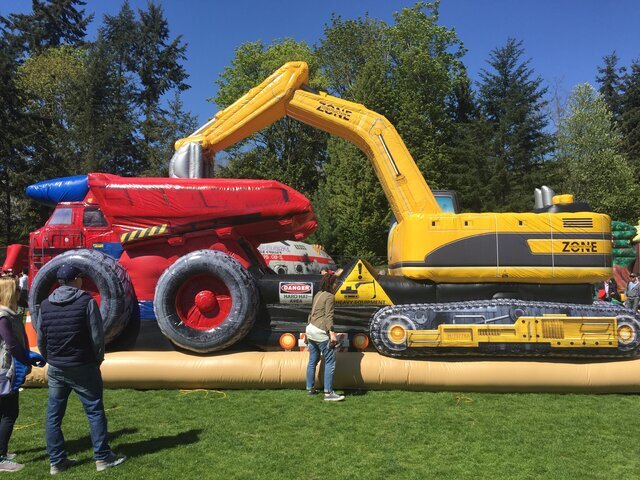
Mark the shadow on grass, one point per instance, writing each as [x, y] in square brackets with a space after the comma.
[152, 445]
[355, 393]
[134, 449]
[77, 444]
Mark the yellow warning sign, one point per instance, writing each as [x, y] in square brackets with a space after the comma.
[361, 288]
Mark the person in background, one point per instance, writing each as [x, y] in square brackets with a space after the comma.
[611, 287]
[71, 338]
[633, 293]
[13, 346]
[322, 339]
[23, 289]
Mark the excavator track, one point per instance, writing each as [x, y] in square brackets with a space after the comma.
[505, 327]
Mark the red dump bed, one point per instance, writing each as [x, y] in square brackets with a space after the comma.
[262, 210]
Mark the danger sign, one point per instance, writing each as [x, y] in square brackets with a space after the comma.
[296, 292]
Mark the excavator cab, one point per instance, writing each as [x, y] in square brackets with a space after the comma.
[447, 200]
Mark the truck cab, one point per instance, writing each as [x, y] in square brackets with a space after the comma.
[72, 225]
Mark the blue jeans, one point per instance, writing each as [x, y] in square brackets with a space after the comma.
[86, 381]
[329, 364]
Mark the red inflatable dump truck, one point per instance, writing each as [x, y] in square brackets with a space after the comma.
[176, 250]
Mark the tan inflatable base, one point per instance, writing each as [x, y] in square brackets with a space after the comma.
[369, 370]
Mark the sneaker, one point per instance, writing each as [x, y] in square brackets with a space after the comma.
[112, 460]
[312, 391]
[7, 465]
[333, 397]
[10, 456]
[62, 466]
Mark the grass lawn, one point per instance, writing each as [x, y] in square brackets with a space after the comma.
[282, 434]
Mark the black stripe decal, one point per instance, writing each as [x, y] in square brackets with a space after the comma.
[511, 250]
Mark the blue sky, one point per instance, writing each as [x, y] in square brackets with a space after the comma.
[565, 40]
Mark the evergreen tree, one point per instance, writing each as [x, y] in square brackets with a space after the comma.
[12, 132]
[630, 115]
[610, 80]
[30, 144]
[160, 71]
[589, 154]
[141, 66]
[512, 101]
[51, 23]
[74, 107]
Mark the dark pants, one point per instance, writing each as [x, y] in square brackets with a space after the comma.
[9, 410]
[86, 381]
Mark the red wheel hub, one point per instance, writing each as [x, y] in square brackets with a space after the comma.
[206, 301]
[203, 302]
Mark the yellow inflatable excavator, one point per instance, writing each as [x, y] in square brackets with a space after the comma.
[458, 283]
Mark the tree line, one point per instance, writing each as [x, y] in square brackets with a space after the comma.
[113, 105]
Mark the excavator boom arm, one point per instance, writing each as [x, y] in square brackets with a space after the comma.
[284, 94]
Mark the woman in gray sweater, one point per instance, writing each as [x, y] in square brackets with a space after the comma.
[321, 338]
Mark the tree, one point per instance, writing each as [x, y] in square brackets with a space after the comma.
[630, 115]
[589, 155]
[160, 71]
[12, 132]
[140, 66]
[512, 101]
[52, 23]
[610, 78]
[406, 71]
[74, 107]
[26, 139]
[287, 151]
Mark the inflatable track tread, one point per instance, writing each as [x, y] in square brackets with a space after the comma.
[418, 314]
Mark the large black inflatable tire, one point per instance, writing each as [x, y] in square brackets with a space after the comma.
[206, 301]
[117, 298]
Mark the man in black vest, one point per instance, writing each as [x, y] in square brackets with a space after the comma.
[71, 338]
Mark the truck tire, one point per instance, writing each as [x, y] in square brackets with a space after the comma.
[206, 301]
[115, 292]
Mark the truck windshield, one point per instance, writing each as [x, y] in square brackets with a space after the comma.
[61, 216]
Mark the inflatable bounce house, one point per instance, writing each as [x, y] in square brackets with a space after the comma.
[470, 301]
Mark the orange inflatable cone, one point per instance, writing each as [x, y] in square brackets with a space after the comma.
[31, 332]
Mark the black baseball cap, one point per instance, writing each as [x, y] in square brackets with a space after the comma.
[68, 272]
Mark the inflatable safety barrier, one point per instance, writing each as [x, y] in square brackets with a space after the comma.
[368, 370]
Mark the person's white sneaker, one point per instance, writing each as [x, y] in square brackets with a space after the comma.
[8, 465]
[62, 466]
[112, 460]
[333, 397]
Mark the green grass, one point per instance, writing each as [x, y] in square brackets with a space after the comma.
[283, 434]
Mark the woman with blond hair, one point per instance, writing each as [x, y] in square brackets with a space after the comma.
[13, 345]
